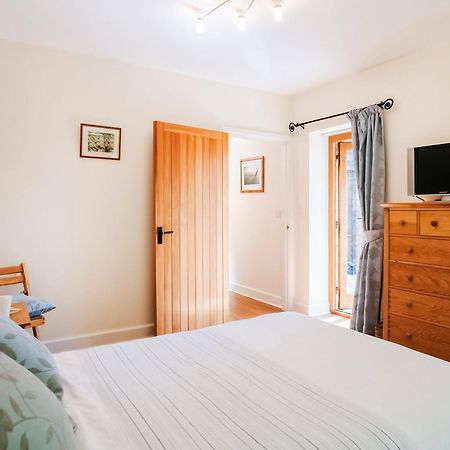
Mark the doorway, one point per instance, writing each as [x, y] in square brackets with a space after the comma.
[257, 227]
[345, 226]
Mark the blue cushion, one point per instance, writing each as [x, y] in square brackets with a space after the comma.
[35, 306]
[20, 346]
[30, 415]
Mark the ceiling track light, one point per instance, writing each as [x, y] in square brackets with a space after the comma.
[277, 11]
[200, 25]
[241, 22]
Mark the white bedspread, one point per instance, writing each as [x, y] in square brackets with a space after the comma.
[277, 382]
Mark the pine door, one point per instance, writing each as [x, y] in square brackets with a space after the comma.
[191, 227]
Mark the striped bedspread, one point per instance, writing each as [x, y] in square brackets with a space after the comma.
[203, 390]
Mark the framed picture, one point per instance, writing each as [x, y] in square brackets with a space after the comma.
[98, 141]
[252, 175]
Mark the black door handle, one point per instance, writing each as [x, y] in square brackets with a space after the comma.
[160, 233]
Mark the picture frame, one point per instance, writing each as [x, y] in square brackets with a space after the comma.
[252, 175]
[100, 141]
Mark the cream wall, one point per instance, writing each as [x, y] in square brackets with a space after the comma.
[420, 86]
[84, 227]
[258, 223]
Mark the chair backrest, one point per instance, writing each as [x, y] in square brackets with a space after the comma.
[15, 275]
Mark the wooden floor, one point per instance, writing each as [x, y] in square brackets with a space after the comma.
[242, 307]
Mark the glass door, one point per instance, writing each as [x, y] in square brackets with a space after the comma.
[346, 222]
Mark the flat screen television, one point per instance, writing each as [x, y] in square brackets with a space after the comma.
[429, 170]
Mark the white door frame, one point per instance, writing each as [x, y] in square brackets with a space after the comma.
[284, 139]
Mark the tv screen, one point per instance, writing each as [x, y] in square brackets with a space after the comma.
[432, 169]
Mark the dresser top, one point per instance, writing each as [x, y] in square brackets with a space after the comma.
[417, 205]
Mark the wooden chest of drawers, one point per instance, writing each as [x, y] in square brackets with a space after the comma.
[416, 286]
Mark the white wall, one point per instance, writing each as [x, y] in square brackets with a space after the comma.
[84, 227]
[318, 220]
[419, 84]
[257, 224]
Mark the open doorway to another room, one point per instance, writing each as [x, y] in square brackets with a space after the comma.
[257, 226]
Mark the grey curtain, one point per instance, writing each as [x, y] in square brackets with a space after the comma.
[368, 151]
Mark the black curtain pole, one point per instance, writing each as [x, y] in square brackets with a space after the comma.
[386, 104]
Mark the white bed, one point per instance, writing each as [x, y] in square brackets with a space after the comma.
[278, 382]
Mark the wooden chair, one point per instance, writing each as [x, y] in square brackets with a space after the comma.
[16, 275]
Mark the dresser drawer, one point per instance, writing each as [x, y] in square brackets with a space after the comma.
[432, 309]
[403, 222]
[431, 339]
[423, 251]
[434, 223]
[419, 278]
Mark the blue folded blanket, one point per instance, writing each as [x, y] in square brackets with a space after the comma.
[35, 306]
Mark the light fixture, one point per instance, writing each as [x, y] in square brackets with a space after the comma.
[277, 11]
[241, 22]
[200, 25]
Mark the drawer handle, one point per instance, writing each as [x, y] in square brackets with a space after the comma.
[408, 335]
[409, 305]
[434, 223]
[409, 277]
[409, 250]
[402, 223]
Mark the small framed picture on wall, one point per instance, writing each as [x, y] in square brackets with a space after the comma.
[252, 175]
[100, 142]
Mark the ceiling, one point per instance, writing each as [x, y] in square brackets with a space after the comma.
[318, 40]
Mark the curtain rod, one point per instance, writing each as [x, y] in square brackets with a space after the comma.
[386, 104]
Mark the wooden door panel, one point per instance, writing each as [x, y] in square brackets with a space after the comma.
[213, 231]
[198, 232]
[167, 225]
[191, 232]
[219, 236]
[175, 199]
[191, 199]
[184, 264]
[225, 243]
[206, 233]
[159, 215]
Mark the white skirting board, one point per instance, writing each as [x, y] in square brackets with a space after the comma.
[101, 338]
[266, 297]
[302, 308]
